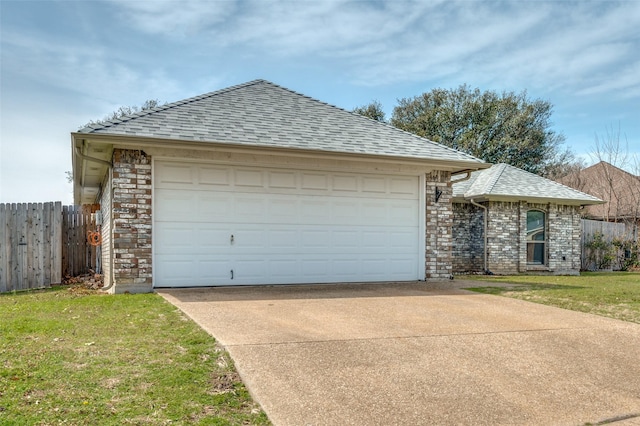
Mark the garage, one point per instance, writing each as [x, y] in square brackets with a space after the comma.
[258, 184]
[226, 224]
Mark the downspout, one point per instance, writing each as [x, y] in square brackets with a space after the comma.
[485, 219]
[110, 166]
[110, 186]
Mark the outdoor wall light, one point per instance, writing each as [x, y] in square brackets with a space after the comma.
[438, 194]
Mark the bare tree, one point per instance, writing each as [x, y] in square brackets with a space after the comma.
[621, 190]
[124, 111]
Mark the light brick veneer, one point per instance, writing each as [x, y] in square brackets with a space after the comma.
[131, 219]
[507, 238]
[439, 218]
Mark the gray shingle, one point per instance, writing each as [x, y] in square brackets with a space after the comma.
[505, 181]
[260, 113]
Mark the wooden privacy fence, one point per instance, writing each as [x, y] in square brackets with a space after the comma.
[78, 256]
[41, 243]
[31, 245]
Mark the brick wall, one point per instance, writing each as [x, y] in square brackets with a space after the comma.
[468, 238]
[564, 238]
[439, 218]
[131, 219]
[507, 238]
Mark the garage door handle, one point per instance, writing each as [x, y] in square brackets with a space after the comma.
[231, 238]
[232, 274]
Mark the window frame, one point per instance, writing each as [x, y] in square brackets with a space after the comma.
[534, 244]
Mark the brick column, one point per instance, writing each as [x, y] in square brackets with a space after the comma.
[131, 204]
[439, 218]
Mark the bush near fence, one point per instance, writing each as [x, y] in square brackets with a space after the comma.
[609, 246]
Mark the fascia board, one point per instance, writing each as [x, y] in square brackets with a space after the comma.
[137, 142]
[540, 200]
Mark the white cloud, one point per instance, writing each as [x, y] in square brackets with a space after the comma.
[550, 45]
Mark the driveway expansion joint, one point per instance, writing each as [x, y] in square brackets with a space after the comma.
[429, 336]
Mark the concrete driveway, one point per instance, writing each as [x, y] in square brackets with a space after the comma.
[417, 353]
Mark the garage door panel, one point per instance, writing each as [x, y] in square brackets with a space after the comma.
[213, 270]
[404, 212]
[374, 185]
[315, 181]
[375, 212]
[345, 183]
[174, 271]
[400, 267]
[285, 270]
[249, 178]
[283, 209]
[404, 186]
[178, 236]
[174, 205]
[215, 176]
[402, 240]
[214, 207]
[174, 173]
[288, 226]
[345, 239]
[248, 239]
[249, 209]
[318, 239]
[216, 238]
[283, 238]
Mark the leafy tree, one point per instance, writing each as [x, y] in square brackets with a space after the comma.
[498, 128]
[373, 110]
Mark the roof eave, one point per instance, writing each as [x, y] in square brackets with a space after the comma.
[126, 141]
[539, 200]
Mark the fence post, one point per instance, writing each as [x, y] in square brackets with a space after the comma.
[56, 243]
[4, 248]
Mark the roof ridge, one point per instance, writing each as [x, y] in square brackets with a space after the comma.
[494, 180]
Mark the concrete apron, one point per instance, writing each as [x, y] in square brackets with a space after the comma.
[418, 353]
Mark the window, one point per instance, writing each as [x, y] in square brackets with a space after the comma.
[536, 237]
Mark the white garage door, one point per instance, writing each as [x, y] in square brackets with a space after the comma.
[233, 225]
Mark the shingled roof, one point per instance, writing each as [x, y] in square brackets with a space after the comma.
[263, 114]
[503, 182]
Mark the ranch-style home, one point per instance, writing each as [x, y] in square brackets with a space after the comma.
[257, 184]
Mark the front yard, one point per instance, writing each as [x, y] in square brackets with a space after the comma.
[73, 356]
[70, 356]
[615, 295]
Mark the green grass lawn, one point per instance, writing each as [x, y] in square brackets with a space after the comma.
[70, 356]
[615, 295]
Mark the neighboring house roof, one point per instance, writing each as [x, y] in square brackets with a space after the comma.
[503, 182]
[263, 114]
[620, 189]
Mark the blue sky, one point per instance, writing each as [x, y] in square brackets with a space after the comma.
[64, 63]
